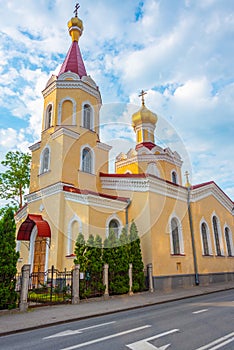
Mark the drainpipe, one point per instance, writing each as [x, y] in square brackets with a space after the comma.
[126, 213]
[197, 282]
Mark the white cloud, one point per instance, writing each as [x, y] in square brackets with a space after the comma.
[181, 52]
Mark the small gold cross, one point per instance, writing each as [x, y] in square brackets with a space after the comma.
[142, 94]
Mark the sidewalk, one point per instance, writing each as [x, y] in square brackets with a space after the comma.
[15, 321]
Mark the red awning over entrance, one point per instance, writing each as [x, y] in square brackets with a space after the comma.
[27, 226]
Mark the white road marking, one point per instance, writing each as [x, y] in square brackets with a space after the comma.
[219, 340]
[77, 331]
[144, 345]
[200, 311]
[222, 344]
[106, 338]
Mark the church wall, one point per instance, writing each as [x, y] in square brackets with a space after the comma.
[166, 169]
[203, 211]
[131, 168]
[164, 261]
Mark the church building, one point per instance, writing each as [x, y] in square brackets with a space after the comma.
[186, 231]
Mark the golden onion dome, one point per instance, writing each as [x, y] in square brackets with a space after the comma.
[75, 27]
[144, 115]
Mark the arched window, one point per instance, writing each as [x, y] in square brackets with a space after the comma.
[48, 120]
[45, 161]
[74, 228]
[228, 239]
[174, 177]
[216, 235]
[87, 160]
[204, 239]
[175, 236]
[87, 116]
[115, 227]
[152, 169]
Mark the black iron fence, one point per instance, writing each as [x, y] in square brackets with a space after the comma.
[91, 284]
[50, 287]
[54, 287]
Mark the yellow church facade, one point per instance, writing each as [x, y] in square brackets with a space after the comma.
[186, 231]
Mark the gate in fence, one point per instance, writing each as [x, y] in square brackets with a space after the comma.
[50, 287]
[91, 284]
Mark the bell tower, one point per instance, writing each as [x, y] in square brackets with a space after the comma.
[70, 150]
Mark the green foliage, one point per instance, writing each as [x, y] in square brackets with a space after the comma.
[15, 180]
[135, 257]
[80, 249]
[116, 256]
[117, 253]
[8, 260]
[89, 256]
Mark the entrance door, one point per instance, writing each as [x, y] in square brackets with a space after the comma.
[39, 261]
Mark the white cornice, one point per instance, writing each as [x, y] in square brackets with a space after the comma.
[72, 84]
[65, 132]
[149, 158]
[86, 199]
[148, 184]
[35, 146]
[104, 146]
[211, 189]
[21, 214]
[45, 192]
[97, 201]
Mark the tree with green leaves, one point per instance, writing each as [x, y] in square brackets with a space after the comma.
[15, 180]
[94, 266]
[8, 259]
[115, 255]
[80, 249]
[135, 257]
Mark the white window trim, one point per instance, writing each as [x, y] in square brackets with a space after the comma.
[177, 178]
[92, 155]
[113, 217]
[203, 221]
[154, 166]
[60, 110]
[91, 116]
[32, 247]
[219, 234]
[46, 115]
[181, 240]
[41, 171]
[230, 239]
[75, 218]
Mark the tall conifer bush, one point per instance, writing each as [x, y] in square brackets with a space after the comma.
[135, 257]
[94, 266]
[116, 256]
[8, 260]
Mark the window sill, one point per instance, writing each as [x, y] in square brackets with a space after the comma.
[177, 254]
[91, 130]
[44, 173]
[208, 255]
[86, 173]
[220, 256]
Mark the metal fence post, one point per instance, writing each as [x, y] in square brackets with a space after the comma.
[150, 276]
[76, 285]
[130, 279]
[106, 280]
[23, 304]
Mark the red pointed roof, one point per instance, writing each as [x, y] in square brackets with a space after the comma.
[73, 61]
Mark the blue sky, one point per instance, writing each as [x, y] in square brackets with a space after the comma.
[181, 52]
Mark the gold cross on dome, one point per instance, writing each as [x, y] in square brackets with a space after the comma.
[76, 9]
[142, 94]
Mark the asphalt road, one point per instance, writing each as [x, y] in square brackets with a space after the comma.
[200, 323]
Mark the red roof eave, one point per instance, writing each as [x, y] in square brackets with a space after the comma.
[25, 230]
